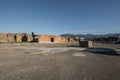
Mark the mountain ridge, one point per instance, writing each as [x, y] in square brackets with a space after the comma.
[91, 36]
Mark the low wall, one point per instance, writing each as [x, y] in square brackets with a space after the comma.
[88, 44]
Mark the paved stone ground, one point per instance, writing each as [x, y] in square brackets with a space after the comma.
[60, 62]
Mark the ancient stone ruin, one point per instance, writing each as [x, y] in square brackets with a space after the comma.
[3, 37]
[10, 37]
[24, 37]
[85, 43]
[53, 39]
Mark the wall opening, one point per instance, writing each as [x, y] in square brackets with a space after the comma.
[52, 39]
[68, 39]
[24, 38]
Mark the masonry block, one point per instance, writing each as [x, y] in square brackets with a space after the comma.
[88, 44]
[10, 37]
[29, 38]
[18, 37]
[44, 39]
[3, 37]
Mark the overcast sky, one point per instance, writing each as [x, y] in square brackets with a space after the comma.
[56, 17]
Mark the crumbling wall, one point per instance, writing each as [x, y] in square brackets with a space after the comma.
[18, 37]
[24, 37]
[88, 44]
[3, 37]
[35, 39]
[63, 39]
[59, 39]
[29, 38]
[44, 39]
[51, 39]
[10, 37]
[72, 40]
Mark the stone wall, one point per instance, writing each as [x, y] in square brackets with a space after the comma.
[10, 37]
[88, 44]
[29, 38]
[72, 40]
[59, 39]
[44, 39]
[51, 39]
[18, 37]
[69, 39]
[64, 39]
[3, 37]
[24, 37]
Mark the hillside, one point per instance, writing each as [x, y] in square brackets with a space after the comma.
[91, 36]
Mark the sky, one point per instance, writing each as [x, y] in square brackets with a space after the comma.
[57, 17]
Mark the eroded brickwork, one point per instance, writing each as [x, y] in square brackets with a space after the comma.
[59, 39]
[24, 37]
[10, 37]
[72, 40]
[88, 44]
[29, 38]
[18, 37]
[44, 39]
[3, 37]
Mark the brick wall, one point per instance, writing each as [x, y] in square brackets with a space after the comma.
[54, 39]
[59, 39]
[29, 38]
[44, 39]
[18, 37]
[10, 37]
[88, 44]
[72, 40]
[24, 37]
[3, 37]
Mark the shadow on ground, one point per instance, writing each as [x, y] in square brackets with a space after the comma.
[73, 46]
[103, 51]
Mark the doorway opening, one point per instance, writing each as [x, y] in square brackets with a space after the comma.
[68, 39]
[52, 39]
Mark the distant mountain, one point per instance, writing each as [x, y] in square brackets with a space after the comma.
[91, 36]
